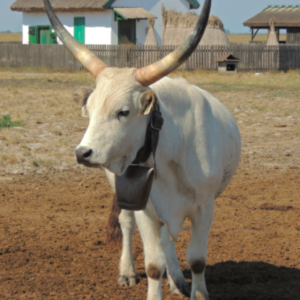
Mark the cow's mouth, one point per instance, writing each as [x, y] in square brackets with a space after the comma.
[90, 165]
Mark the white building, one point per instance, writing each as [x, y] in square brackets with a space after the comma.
[102, 22]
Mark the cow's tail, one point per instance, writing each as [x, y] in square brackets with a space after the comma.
[113, 228]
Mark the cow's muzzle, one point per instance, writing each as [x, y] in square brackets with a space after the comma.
[84, 155]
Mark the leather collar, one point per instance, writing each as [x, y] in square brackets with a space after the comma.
[151, 138]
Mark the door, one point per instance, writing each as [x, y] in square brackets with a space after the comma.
[127, 32]
[79, 29]
[44, 35]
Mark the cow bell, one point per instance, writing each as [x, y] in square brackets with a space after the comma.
[133, 187]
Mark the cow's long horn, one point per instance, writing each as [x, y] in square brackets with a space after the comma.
[90, 61]
[152, 73]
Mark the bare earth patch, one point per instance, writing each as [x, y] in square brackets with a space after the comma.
[53, 212]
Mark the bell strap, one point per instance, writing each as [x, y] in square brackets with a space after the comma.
[151, 139]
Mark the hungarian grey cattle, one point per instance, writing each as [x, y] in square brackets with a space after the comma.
[197, 154]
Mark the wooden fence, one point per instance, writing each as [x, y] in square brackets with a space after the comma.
[11, 42]
[253, 57]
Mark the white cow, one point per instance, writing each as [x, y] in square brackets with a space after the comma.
[197, 154]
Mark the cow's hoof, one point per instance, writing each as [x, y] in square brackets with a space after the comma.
[181, 288]
[132, 280]
[201, 296]
[122, 280]
[127, 280]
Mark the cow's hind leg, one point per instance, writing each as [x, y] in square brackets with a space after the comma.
[197, 250]
[176, 281]
[155, 263]
[126, 266]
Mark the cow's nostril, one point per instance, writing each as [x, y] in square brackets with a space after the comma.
[83, 155]
[88, 154]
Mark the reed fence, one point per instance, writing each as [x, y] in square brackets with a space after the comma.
[253, 57]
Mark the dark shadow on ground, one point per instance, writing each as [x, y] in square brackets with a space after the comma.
[251, 281]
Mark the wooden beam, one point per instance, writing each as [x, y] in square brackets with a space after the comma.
[255, 33]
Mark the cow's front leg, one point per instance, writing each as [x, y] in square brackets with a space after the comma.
[154, 256]
[197, 250]
[177, 283]
[126, 266]
[127, 224]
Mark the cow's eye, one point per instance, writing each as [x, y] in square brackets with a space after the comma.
[123, 113]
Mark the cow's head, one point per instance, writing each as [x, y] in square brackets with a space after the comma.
[119, 106]
[118, 110]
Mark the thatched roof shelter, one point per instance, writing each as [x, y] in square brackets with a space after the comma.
[214, 33]
[273, 38]
[128, 13]
[178, 26]
[284, 16]
[151, 37]
[61, 5]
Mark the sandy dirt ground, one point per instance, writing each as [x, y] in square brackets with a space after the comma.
[53, 212]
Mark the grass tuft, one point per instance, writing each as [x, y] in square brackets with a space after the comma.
[5, 121]
[35, 162]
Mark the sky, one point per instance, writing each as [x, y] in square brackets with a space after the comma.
[232, 12]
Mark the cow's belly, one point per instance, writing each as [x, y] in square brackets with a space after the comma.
[231, 155]
[182, 188]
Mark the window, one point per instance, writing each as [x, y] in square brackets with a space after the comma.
[127, 32]
[79, 29]
[42, 35]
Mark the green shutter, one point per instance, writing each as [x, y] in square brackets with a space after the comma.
[33, 35]
[79, 29]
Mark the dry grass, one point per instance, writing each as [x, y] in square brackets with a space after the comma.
[246, 38]
[10, 37]
[44, 102]
[271, 93]
[38, 70]
[53, 123]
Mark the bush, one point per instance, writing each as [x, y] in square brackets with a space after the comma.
[5, 121]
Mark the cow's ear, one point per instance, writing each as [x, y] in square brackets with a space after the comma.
[82, 95]
[148, 102]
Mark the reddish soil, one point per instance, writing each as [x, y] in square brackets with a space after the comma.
[53, 239]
